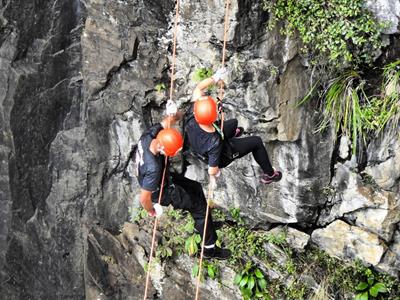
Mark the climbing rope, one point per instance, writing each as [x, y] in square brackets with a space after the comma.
[153, 241]
[210, 185]
[221, 87]
[209, 197]
[174, 51]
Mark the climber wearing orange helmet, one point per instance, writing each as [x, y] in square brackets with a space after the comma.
[217, 148]
[179, 191]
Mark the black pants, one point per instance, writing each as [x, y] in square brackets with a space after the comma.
[244, 146]
[188, 195]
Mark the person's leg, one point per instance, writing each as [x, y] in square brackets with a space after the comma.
[230, 127]
[255, 145]
[196, 204]
[191, 198]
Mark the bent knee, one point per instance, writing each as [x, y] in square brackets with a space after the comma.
[258, 141]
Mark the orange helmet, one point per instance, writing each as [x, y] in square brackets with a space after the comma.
[171, 140]
[205, 110]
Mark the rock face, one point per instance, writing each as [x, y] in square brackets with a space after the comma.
[41, 96]
[266, 80]
[387, 12]
[356, 201]
[384, 161]
[344, 241]
[77, 88]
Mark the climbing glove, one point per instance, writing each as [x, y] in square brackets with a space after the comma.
[220, 74]
[157, 211]
[171, 108]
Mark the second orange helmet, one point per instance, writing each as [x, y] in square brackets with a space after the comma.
[205, 110]
[171, 140]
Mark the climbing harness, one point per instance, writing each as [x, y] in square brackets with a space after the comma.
[210, 187]
[149, 266]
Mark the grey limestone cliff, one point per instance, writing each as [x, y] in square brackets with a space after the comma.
[77, 88]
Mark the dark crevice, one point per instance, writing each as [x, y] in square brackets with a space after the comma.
[135, 49]
[319, 211]
[265, 121]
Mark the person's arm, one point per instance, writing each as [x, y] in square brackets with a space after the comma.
[202, 85]
[149, 185]
[169, 121]
[214, 171]
[214, 154]
[145, 200]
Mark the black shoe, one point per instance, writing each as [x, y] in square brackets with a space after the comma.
[217, 252]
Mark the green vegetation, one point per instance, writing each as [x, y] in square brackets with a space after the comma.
[370, 287]
[160, 87]
[342, 37]
[201, 74]
[351, 111]
[339, 33]
[192, 244]
[342, 104]
[343, 278]
[252, 283]
[210, 269]
[385, 110]
[136, 214]
[267, 267]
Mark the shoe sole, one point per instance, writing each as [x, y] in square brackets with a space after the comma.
[271, 180]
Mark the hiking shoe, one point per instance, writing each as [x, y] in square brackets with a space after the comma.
[239, 132]
[217, 252]
[273, 178]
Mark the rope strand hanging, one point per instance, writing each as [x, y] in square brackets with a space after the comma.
[153, 240]
[174, 51]
[210, 187]
[221, 87]
[149, 265]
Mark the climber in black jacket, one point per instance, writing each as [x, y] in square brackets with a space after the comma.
[217, 148]
[178, 190]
